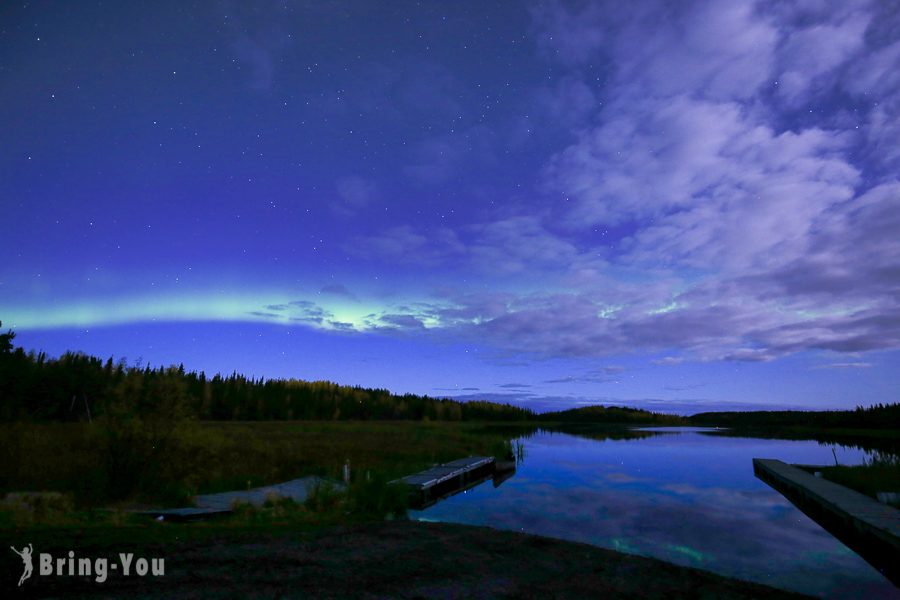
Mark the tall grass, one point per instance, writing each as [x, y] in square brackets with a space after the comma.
[881, 473]
[104, 463]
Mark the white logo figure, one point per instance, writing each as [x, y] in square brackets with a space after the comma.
[26, 559]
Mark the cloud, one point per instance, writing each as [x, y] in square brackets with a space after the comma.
[685, 387]
[669, 361]
[455, 389]
[759, 223]
[728, 191]
[567, 379]
[850, 254]
[305, 311]
[438, 158]
[817, 51]
[722, 50]
[716, 188]
[846, 365]
[602, 375]
[355, 193]
[516, 244]
[460, 309]
[511, 245]
[577, 379]
[338, 289]
[259, 313]
[399, 321]
[681, 406]
[407, 245]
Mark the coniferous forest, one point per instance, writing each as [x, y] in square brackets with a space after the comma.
[78, 387]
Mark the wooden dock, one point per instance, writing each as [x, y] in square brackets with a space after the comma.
[208, 506]
[869, 528]
[426, 488]
[441, 481]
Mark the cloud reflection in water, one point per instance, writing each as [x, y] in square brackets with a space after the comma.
[689, 499]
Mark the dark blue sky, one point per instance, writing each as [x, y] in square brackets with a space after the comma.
[676, 205]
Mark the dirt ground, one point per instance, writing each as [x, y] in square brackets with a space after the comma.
[399, 559]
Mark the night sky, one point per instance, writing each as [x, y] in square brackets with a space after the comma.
[681, 206]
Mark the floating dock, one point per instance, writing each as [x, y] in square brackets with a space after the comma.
[441, 481]
[215, 505]
[425, 488]
[869, 528]
[182, 515]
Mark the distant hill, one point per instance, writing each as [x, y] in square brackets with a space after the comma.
[879, 416]
[612, 414]
[76, 387]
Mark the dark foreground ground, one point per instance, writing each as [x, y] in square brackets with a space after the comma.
[397, 559]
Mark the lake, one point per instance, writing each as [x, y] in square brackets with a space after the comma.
[683, 496]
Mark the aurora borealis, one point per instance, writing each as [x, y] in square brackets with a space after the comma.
[679, 206]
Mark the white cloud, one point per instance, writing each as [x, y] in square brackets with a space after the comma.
[748, 229]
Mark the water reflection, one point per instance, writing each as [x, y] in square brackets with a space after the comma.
[452, 479]
[863, 536]
[689, 498]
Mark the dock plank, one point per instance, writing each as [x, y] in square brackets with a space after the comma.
[868, 527]
[184, 514]
[214, 505]
[441, 481]
[296, 489]
[839, 498]
[441, 473]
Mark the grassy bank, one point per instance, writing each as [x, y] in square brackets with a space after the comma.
[96, 465]
[881, 474]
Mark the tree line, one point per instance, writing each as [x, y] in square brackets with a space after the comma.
[77, 387]
[877, 416]
[614, 415]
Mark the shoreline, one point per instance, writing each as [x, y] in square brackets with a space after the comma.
[393, 559]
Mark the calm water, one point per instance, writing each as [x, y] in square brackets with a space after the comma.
[684, 497]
